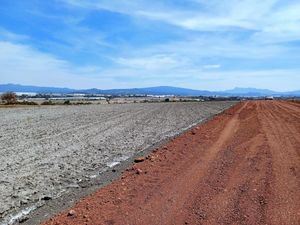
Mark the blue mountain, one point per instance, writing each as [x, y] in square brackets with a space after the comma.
[35, 89]
[161, 90]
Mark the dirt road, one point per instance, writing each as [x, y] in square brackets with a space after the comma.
[241, 167]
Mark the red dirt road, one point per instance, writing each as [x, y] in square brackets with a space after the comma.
[241, 167]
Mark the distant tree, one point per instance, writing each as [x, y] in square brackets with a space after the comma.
[67, 102]
[9, 97]
[108, 100]
[167, 100]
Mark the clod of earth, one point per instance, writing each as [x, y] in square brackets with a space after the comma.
[139, 171]
[46, 198]
[139, 159]
[72, 213]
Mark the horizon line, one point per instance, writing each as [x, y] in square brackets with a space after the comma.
[82, 89]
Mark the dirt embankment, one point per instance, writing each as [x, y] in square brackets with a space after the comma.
[242, 167]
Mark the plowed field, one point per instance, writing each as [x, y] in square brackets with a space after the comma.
[48, 152]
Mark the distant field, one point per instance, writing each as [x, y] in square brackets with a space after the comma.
[45, 151]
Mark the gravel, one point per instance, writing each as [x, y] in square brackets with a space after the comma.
[46, 151]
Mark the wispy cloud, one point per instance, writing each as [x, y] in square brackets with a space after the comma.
[213, 66]
[22, 64]
[154, 62]
[10, 36]
[34, 67]
[106, 43]
[269, 16]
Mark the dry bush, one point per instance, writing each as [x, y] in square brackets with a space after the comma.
[27, 103]
[9, 97]
[48, 103]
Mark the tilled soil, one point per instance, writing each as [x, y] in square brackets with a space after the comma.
[46, 152]
[241, 167]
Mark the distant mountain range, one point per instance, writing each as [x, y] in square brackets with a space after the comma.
[161, 90]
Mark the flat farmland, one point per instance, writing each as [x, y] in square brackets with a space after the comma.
[46, 151]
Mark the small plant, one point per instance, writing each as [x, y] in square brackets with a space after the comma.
[27, 103]
[9, 97]
[47, 103]
[67, 102]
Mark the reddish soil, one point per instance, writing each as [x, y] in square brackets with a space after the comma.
[241, 167]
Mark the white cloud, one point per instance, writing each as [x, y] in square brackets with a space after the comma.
[274, 79]
[269, 23]
[23, 64]
[269, 18]
[153, 62]
[281, 25]
[7, 35]
[213, 66]
[212, 34]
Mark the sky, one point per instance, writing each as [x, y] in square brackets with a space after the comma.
[199, 44]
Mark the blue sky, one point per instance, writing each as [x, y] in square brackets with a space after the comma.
[200, 44]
